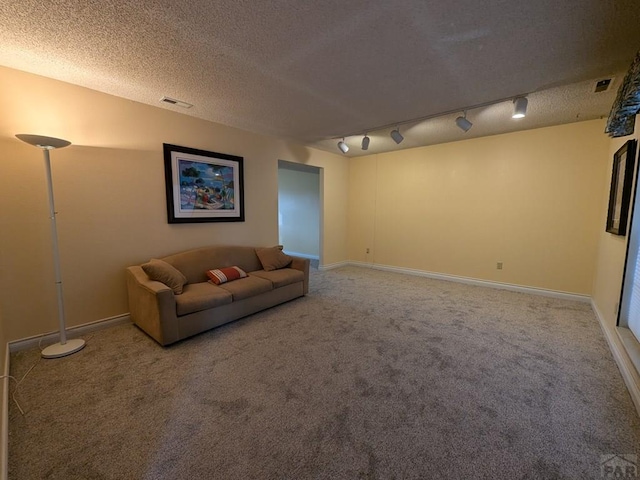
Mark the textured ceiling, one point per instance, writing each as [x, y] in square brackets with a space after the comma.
[314, 71]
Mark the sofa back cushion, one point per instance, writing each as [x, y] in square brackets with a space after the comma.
[161, 271]
[273, 258]
[195, 263]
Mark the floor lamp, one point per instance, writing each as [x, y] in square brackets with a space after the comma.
[63, 347]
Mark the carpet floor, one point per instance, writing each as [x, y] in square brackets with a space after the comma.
[373, 375]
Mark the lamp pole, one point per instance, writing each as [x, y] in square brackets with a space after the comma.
[64, 347]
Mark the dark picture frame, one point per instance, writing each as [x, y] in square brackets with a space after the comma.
[621, 184]
[203, 186]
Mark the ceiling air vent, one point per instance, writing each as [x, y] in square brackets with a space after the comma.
[173, 101]
[603, 85]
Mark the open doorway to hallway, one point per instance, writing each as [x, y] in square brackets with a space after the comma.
[299, 210]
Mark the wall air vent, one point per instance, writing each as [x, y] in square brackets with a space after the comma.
[173, 101]
[603, 85]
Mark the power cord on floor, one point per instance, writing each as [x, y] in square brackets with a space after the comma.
[18, 382]
[13, 395]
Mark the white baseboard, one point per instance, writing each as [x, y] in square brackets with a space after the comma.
[625, 364]
[72, 332]
[4, 452]
[474, 281]
[331, 266]
[302, 255]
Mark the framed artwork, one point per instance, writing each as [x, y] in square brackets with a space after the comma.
[203, 186]
[621, 184]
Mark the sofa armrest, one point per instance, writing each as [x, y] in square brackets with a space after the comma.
[302, 264]
[152, 306]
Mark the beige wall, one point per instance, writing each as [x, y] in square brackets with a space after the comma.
[531, 199]
[110, 195]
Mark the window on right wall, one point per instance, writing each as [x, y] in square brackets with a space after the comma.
[629, 311]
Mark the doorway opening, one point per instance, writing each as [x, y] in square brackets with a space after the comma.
[300, 210]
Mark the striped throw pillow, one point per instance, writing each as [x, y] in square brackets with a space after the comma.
[224, 275]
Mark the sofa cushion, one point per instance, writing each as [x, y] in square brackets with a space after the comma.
[201, 296]
[247, 287]
[161, 271]
[280, 278]
[273, 258]
[194, 263]
[224, 275]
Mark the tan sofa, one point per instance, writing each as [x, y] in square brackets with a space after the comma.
[168, 315]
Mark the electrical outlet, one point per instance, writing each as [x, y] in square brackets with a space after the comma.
[367, 250]
[499, 265]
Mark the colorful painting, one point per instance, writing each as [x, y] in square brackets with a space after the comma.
[621, 186]
[203, 186]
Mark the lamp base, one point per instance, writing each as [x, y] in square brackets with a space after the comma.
[58, 350]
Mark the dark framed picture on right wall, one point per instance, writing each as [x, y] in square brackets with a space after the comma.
[621, 184]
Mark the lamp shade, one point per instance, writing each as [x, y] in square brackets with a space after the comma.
[365, 142]
[40, 141]
[344, 148]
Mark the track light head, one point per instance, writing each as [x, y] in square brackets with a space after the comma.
[463, 123]
[520, 107]
[397, 137]
[344, 148]
[365, 142]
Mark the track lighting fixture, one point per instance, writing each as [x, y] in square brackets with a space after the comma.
[397, 137]
[344, 148]
[520, 107]
[519, 111]
[463, 123]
